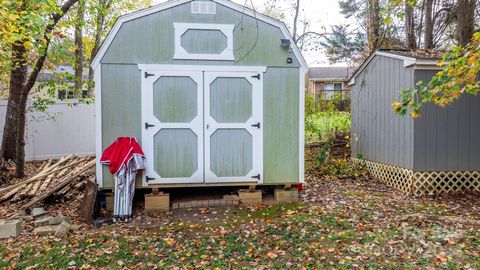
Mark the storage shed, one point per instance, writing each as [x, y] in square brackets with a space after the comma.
[213, 91]
[436, 153]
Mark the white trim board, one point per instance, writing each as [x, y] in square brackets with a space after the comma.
[202, 68]
[301, 127]
[416, 63]
[98, 125]
[144, 12]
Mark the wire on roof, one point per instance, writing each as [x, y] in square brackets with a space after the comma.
[256, 35]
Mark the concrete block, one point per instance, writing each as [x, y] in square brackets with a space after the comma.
[44, 230]
[109, 200]
[283, 195]
[42, 221]
[250, 197]
[38, 211]
[51, 221]
[160, 201]
[62, 229]
[10, 228]
[175, 205]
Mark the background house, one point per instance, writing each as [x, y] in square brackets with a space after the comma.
[64, 90]
[327, 83]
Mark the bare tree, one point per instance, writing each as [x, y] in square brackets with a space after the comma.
[410, 26]
[465, 21]
[373, 28]
[428, 34]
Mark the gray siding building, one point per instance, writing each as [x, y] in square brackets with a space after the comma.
[436, 153]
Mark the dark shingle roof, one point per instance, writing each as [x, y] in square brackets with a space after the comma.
[328, 73]
[420, 54]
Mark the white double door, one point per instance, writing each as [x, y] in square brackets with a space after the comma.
[202, 125]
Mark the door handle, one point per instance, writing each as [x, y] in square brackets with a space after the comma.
[207, 126]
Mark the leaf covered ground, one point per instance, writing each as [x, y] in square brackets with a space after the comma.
[340, 223]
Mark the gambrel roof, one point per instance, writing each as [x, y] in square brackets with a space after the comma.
[170, 4]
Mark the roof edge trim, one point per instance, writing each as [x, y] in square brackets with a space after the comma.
[416, 63]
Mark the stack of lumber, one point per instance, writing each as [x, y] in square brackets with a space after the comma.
[53, 178]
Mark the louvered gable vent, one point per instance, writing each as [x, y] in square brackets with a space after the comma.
[204, 7]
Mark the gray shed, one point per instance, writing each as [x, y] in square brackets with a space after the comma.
[436, 153]
[213, 91]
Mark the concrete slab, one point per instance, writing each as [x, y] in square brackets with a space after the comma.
[45, 230]
[51, 221]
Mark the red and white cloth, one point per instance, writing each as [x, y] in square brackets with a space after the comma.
[120, 152]
[125, 159]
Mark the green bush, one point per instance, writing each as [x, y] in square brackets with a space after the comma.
[325, 125]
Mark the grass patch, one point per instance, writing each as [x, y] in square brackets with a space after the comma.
[322, 125]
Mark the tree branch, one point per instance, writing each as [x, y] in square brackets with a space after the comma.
[55, 17]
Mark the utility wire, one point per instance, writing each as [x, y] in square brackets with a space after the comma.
[256, 36]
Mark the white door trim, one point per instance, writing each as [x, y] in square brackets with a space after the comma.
[196, 125]
[257, 133]
[152, 67]
[200, 74]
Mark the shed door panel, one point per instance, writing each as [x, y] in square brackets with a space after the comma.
[233, 127]
[172, 114]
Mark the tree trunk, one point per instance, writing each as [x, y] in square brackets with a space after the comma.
[428, 25]
[79, 46]
[373, 25]
[410, 26]
[18, 76]
[100, 20]
[465, 18]
[20, 151]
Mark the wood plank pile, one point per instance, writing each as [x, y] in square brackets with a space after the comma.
[53, 178]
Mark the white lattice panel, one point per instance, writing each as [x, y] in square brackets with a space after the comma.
[422, 183]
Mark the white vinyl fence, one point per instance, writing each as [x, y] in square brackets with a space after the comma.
[63, 129]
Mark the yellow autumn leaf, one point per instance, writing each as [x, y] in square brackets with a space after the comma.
[170, 241]
[290, 212]
[415, 114]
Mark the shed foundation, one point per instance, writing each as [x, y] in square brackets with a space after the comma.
[422, 183]
[250, 197]
[286, 195]
[157, 201]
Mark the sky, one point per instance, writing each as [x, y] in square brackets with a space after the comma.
[321, 13]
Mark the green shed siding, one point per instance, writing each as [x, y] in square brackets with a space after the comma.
[121, 116]
[150, 39]
[281, 125]
[121, 110]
